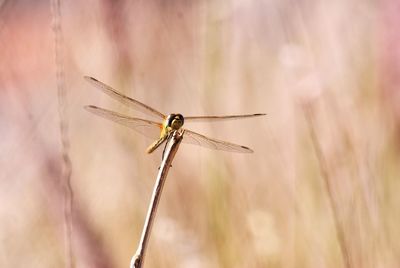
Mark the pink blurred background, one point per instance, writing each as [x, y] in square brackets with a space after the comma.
[321, 189]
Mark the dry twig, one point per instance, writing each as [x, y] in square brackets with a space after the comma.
[171, 148]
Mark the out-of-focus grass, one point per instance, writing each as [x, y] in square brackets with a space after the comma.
[267, 209]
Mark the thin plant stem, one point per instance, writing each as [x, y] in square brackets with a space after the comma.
[340, 233]
[65, 144]
[171, 148]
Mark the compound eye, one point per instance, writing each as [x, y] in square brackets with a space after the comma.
[170, 118]
[181, 118]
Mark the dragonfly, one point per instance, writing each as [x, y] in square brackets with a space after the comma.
[160, 131]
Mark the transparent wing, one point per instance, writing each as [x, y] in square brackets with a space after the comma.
[198, 139]
[147, 128]
[137, 105]
[220, 118]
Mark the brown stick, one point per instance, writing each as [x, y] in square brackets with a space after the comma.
[171, 148]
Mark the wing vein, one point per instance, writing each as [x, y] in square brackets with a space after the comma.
[210, 118]
[192, 137]
[147, 128]
[137, 105]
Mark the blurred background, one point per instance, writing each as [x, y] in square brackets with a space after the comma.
[320, 190]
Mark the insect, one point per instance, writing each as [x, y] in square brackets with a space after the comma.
[160, 131]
